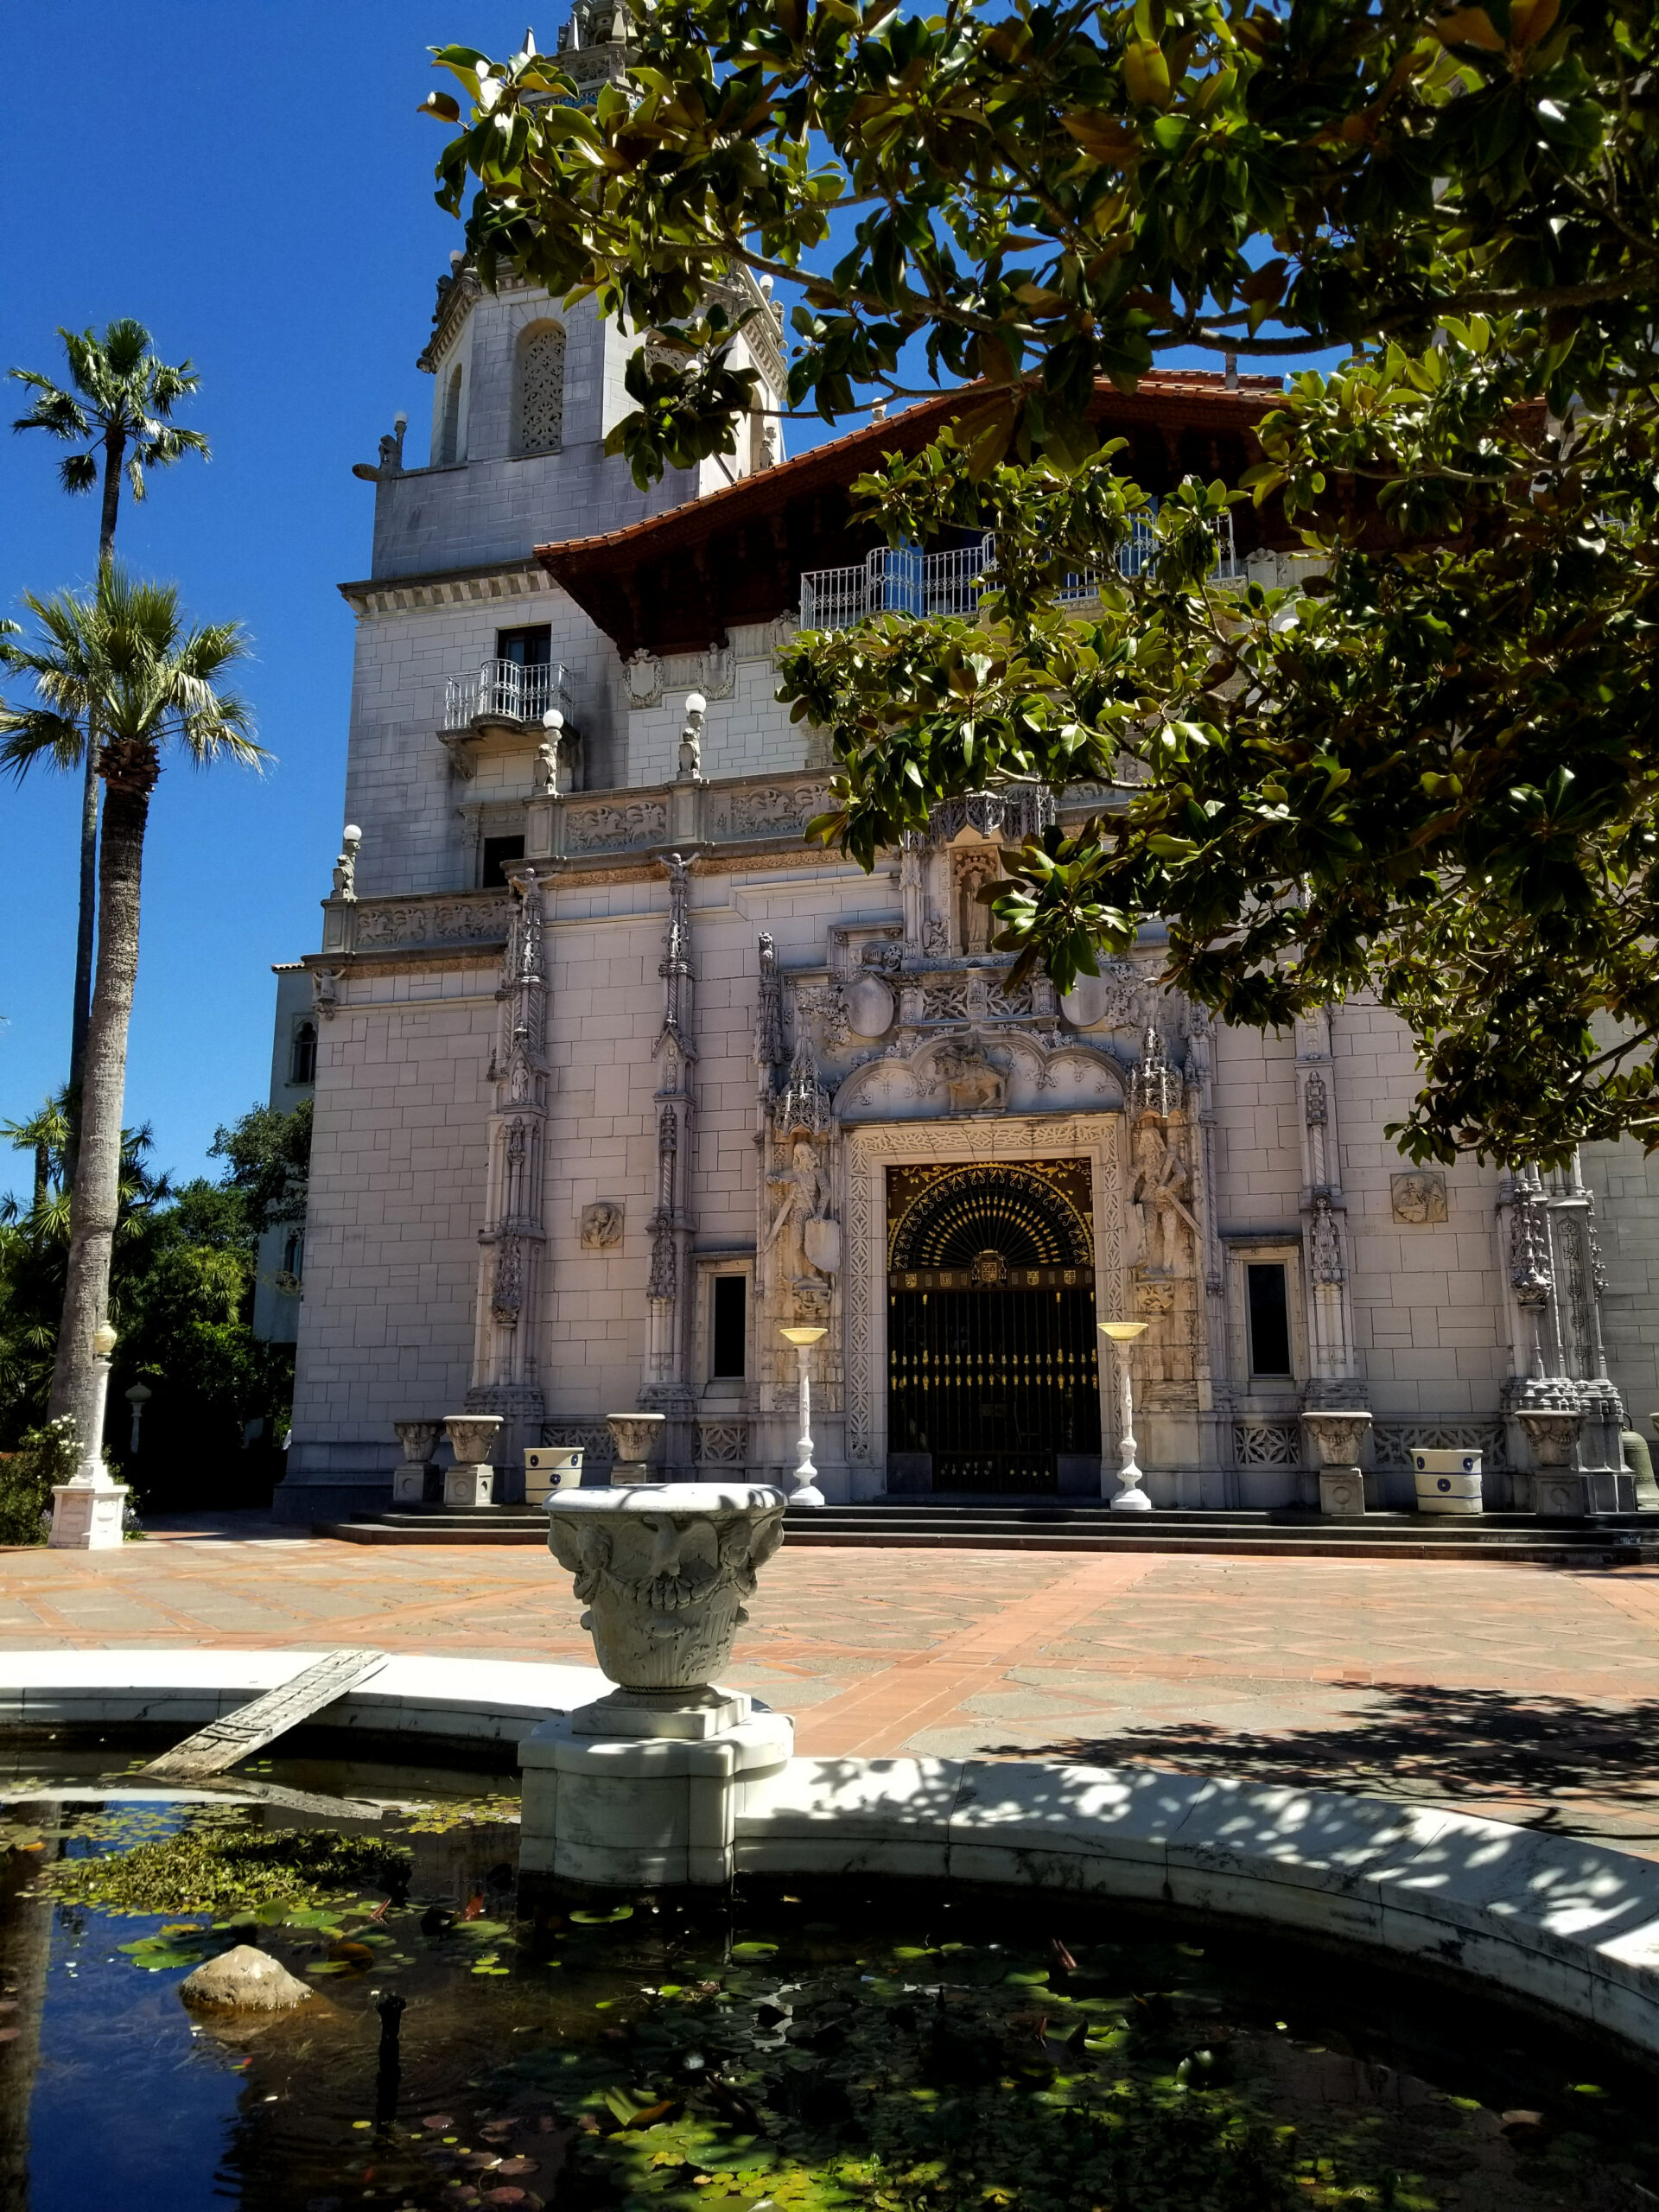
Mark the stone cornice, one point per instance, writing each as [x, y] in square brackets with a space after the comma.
[490, 581]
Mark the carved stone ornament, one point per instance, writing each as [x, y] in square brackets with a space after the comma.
[662, 1571]
[1112, 999]
[1417, 1198]
[1553, 1433]
[973, 1082]
[870, 1006]
[1337, 1437]
[325, 991]
[643, 673]
[822, 1239]
[601, 1225]
[1324, 1243]
[419, 1439]
[472, 1437]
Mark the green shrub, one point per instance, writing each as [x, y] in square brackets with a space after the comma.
[45, 1456]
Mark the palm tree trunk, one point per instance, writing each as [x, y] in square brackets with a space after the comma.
[114, 448]
[129, 782]
[84, 938]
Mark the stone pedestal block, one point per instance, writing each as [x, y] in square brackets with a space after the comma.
[635, 1812]
[87, 1516]
[1342, 1491]
[469, 1483]
[414, 1483]
[1563, 1494]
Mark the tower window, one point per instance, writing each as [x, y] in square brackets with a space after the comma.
[294, 1257]
[541, 390]
[302, 1060]
[449, 441]
[729, 1329]
[1270, 1315]
[498, 854]
[531, 648]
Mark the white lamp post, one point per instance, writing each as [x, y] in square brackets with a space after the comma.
[1130, 1498]
[88, 1510]
[137, 1397]
[805, 1491]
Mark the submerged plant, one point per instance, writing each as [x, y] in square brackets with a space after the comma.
[220, 1865]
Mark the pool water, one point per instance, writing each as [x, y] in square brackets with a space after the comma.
[849, 2044]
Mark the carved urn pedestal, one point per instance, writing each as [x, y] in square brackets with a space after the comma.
[471, 1481]
[645, 1786]
[1559, 1492]
[641, 1440]
[414, 1480]
[88, 1517]
[1337, 1436]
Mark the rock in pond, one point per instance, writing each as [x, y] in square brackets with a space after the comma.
[244, 1979]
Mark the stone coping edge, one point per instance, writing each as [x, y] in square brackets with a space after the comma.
[1570, 1925]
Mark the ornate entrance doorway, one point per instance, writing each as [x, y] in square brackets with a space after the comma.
[992, 1373]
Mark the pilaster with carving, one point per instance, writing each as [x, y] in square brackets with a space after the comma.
[1209, 1295]
[1333, 1378]
[512, 1265]
[1550, 1257]
[1165, 1243]
[798, 1227]
[667, 1387]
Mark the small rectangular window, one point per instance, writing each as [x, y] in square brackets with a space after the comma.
[498, 851]
[730, 1328]
[1269, 1310]
[528, 648]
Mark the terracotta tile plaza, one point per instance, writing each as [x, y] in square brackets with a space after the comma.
[1525, 1694]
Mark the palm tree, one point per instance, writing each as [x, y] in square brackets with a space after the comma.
[120, 676]
[119, 409]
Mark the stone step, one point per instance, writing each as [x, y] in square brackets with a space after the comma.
[1496, 1538]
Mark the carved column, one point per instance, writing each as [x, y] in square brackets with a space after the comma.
[505, 1366]
[1167, 1255]
[668, 1387]
[1334, 1364]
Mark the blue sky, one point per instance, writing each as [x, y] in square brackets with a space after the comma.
[254, 184]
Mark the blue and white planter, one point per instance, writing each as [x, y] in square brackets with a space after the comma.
[1447, 1481]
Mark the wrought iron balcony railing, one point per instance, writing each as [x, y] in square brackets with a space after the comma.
[912, 582]
[506, 691]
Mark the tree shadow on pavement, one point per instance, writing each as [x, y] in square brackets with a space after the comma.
[1449, 1746]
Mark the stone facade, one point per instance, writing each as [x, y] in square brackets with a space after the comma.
[598, 1034]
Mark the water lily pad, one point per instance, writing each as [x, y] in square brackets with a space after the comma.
[603, 1919]
[754, 1950]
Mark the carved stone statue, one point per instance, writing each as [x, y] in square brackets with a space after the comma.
[546, 783]
[805, 1191]
[346, 863]
[1159, 1185]
[973, 1082]
[691, 735]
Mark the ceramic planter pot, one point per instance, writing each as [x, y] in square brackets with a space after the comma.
[663, 1571]
[1447, 1481]
[549, 1468]
[472, 1437]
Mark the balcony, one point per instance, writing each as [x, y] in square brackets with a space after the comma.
[911, 582]
[505, 692]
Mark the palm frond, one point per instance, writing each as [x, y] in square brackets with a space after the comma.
[34, 734]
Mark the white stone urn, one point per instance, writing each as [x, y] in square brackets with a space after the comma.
[1338, 1435]
[1552, 1431]
[663, 1570]
[1560, 1491]
[640, 1440]
[415, 1479]
[471, 1481]
[419, 1439]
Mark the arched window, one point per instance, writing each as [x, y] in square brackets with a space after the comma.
[540, 414]
[449, 443]
[294, 1257]
[302, 1063]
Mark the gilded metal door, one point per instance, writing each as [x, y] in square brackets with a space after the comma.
[992, 1369]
